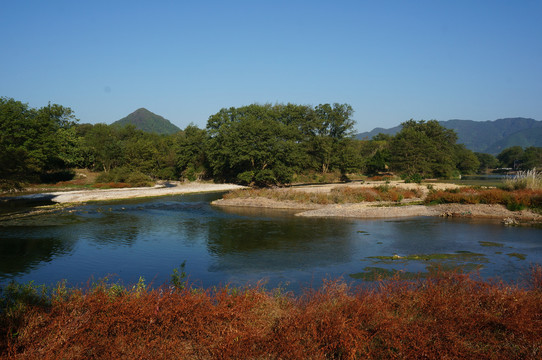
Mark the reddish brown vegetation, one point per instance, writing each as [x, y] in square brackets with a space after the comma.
[449, 316]
[338, 195]
[525, 198]
[78, 182]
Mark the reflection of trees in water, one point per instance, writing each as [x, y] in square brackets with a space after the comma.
[431, 235]
[20, 254]
[114, 229]
[124, 223]
[416, 234]
[192, 231]
[278, 243]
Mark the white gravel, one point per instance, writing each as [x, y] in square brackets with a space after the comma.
[129, 193]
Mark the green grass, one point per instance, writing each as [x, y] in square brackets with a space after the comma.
[463, 255]
[371, 273]
[490, 243]
[518, 255]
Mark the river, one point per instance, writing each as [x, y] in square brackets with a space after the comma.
[131, 238]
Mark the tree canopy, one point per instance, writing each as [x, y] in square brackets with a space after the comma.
[254, 144]
[425, 148]
[34, 141]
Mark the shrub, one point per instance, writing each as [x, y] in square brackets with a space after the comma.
[123, 175]
[10, 185]
[413, 178]
[449, 315]
[245, 178]
[138, 179]
[264, 178]
[57, 176]
[513, 200]
[167, 173]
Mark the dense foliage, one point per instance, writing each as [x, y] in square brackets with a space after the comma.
[260, 145]
[266, 144]
[451, 316]
[34, 142]
[516, 157]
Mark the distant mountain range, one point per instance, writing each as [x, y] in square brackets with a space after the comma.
[147, 121]
[485, 136]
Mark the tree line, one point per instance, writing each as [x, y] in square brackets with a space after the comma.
[254, 144]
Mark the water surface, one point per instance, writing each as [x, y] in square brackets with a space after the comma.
[151, 237]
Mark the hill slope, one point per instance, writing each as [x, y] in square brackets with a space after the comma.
[485, 136]
[147, 121]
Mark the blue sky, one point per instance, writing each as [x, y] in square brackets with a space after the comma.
[185, 60]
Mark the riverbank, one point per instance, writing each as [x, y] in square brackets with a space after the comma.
[411, 207]
[79, 196]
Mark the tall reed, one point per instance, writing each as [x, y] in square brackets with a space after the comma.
[529, 179]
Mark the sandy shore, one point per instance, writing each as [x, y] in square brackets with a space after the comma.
[375, 210]
[127, 193]
[366, 210]
[382, 210]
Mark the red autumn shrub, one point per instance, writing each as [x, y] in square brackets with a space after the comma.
[447, 316]
[512, 199]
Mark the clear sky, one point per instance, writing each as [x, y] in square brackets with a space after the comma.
[185, 60]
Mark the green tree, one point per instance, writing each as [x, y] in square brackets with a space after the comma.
[466, 161]
[191, 152]
[254, 144]
[487, 162]
[34, 141]
[329, 126]
[532, 158]
[376, 154]
[510, 157]
[101, 147]
[350, 159]
[424, 148]
[107, 147]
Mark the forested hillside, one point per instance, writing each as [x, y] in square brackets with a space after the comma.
[485, 136]
[147, 121]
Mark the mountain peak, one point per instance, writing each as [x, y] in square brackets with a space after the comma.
[148, 121]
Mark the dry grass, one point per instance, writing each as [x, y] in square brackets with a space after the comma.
[513, 200]
[448, 316]
[530, 179]
[338, 195]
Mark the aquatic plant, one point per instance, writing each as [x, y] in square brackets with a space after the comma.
[490, 243]
[518, 255]
[178, 278]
